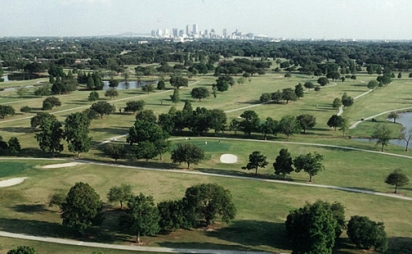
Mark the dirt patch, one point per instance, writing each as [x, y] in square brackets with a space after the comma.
[11, 182]
[228, 158]
[62, 165]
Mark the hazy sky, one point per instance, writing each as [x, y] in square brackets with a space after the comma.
[330, 19]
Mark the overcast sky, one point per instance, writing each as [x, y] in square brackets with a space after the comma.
[329, 19]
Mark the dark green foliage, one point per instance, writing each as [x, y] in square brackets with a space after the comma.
[146, 115]
[265, 97]
[120, 194]
[288, 94]
[57, 199]
[256, 161]
[14, 146]
[43, 90]
[223, 82]
[161, 85]
[143, 130]
[367, 234]
[299, 91]
[148, 88]
[382, 134]
[270, 126]
[217, 120]
[51, 102]
[199, 121]
[166, 122]
[22, 250]
[133, 106]
[93, 96]
[115, 151]
[397, 178]
[309, 85]
[384, 80]
[145, 150]
[50, 136]
[76, 133]
[200, 93]
[6, 110]
[323, 81]
[347, 101]
[335, 121]
[334, 75]
[283, 163]
[175, 97]
[172, 215]
[250, 123]
[289, 125]
[310, 163]
[306, 121]
[207, 201]
[82, 208]
[311, 229]
[113, 83]
[393, 115]
[188, 153]
[102, 108]
[178, 82]
[91, 114]
[39, 118]
[142, 217]
[277, 96]
[25, 109]
[337, 102]
[112, 92]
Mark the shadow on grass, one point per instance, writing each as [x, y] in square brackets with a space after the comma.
[254, 233]
[30, 208]
[399, 245]
[115, 130]
[17, 129]
[204, 246]
[359, 188]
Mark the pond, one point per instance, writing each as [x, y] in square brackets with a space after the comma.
[406, 120]
[19, 77]
[129, 85]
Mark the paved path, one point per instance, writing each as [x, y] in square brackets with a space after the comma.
[374, 116]
[357, 97]
[123, 247]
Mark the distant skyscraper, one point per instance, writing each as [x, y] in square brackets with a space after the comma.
[195, 29]
[181, 33]
[224, 32]
[206, 33]
[153, 33]
[159, 32]
[188, 31]
[175, 32]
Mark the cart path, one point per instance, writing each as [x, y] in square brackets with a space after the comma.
[353, 126]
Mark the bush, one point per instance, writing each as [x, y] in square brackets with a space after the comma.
[25, 109]
[367, 234]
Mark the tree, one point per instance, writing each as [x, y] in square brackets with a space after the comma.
[113, 83]
[217, 120]
[148, 88]
[309, 85]
[6, 110]
[234, 125]
[188, 153]
[51, 102]
[289, 125]
[397, 178]
[57, 199]
[306, 121]
[39, 118]
[161, 85]
[347, 101]
[335, 121]
[90, 83]
[406, 135]
[175, 97]
[270, 126]
[334, 75]
[384, 80]
[120, 194]
[147, 115]
[337, 103]
[145, 150]
[142, 216]
[207, 201]
[134, 106]
[166, 122]
[22, 250]
[25, 109]
[311, 229]
[367, 234]
[200, 93]
[102, 108]
[283, 163]
[373, 84]
[112, 92]
[265, 97]
[50, 136]
[277, 96]
[115, 151]
[288, 94]
[250, 123]
[299, 91]
[382, 134]
[143, 130]
[82, 208]
[93, 96]
[14, 145]
[76, 133]
[172, 215]
[317, 88]
[323, 81]
[256, 160]
[393, 115]
[400, 75]
[177, 82]
[310, 163]
[22, 92]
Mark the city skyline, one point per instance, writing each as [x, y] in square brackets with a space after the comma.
[291, 19]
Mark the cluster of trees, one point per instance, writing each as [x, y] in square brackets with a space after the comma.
[284, 164]
[6, 110]
[315, 227]
[202, 204]
[93, 81]
[51, 133]
[12, 146]
[287, 94]
[242, 65]
[61, 83]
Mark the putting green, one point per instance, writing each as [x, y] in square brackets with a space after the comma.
[11, 168]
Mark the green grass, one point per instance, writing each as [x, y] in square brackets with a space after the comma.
[8, 169]
[262, 208]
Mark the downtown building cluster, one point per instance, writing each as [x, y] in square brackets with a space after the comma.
[193, 32]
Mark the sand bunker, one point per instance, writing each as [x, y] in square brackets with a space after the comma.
[62, 165]
[11, 182]
[228, 158]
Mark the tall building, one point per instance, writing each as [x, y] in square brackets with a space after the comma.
[188, 31]
[181, 33]
[195, 29]
[175, 32]
[224, 32]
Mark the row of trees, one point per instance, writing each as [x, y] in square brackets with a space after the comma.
[202, 204]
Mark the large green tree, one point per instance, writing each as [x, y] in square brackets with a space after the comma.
[250, 123]
[207, 201]
[200, 93]
[6, 110]
[142, 217]
[102, 108]
[310, 163]
[289, 125]
[288, 94]
[82, 208]
[306, 121]
[299, 91]
[335, 121]
[143, 130]
[115, 151]
[50, 136]
[382, 134]
[188, 153]
[366, 233]
[217, 120]
[120, 194]
[283, 163]
[134, 106]
[173, 215]
[311, 229]
[76, 133]
[256, 161]
[23, 250]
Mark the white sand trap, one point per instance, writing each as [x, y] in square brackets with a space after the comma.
[63, 165]
[228, 158]
[11, 182]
